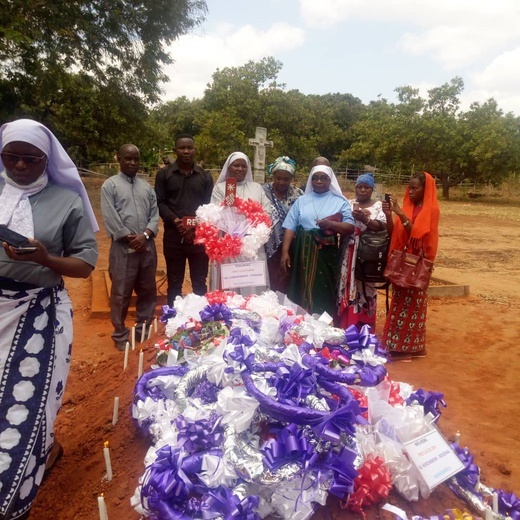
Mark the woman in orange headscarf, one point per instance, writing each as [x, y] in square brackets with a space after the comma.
[415, 224]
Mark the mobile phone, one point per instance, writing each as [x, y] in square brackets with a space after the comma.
[387, 198]
[25, 250]
[355, 205]
[13, 238]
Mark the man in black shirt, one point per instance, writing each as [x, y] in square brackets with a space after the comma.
[181, 188]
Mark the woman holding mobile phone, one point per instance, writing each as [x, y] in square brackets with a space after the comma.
[42, 198]
[357, 300]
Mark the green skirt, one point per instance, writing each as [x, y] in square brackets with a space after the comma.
[314, 268]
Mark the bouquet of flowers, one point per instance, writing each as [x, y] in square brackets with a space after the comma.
[231, 231]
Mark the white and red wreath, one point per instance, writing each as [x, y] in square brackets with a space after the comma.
[228, 232]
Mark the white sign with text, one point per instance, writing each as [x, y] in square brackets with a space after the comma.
[433, 457]
[243, 274]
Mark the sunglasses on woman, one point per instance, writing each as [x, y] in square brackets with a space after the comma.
[13, 158]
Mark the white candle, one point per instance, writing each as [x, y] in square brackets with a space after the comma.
[457, 437]
[150, 331]
[489, 513]
[141, 362]
[155, 325]
[125, 359]
[108, 462]
[495, 502]
[103, 515]
[477, 485]
[133, 337]
[143, 332]
[115, 415]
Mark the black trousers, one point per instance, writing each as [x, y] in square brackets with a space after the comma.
[176, 253]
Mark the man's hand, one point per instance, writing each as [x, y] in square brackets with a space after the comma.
[137, 242]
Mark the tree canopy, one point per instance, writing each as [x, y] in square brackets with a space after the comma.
[94, 110]
[122, 40]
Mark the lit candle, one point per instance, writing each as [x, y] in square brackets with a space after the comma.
[141, 362]
[489, 513]
[103, 515]
[150, 331]
[155, 325]
[133, 337]
[115, 415]
[143, 332]
[495, 502]
[457, 437]
[125, 359]
[108, 462]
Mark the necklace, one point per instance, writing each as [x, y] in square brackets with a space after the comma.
[322, 206]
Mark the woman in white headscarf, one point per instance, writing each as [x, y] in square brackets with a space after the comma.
[310, 242]
[237, 165]
[43, 199]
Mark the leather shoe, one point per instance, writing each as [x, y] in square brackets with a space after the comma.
[120, 345]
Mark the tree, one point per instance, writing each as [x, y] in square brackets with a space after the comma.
[109, 39]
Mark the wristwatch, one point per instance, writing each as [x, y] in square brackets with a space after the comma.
[146, 235]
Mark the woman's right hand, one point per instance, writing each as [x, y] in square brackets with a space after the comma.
[394, 204]
[285, 262]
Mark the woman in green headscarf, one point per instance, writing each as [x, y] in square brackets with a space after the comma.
[282, 195]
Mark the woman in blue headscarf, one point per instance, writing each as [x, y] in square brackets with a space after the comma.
[282, 195]
[357, 301]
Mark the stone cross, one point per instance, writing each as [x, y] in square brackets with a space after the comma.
[259, 142]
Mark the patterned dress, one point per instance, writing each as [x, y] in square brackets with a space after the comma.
[279, 279]
[357, 301]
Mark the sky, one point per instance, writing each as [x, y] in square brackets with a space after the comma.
[366, 48]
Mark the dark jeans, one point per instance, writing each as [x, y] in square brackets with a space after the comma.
[176, 252]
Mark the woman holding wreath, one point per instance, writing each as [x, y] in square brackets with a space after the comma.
[314, 222]
[416, 226]
[238, 166]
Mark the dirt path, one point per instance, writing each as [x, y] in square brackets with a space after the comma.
[473, 355]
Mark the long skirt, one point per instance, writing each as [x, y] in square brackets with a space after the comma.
[357, 301]
[405, 326]
[35, 348]
[314, 267]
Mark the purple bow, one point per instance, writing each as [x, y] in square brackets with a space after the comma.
[341, 420]
[206, 391]
[431, 401]
[167, 313]
[342, 465]
[167, 480]
[199, 435]
[241, 353]
[290, 445]
[221, 502]
[216, 312]
[509, 504]
[468, 477]
[294, 383]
